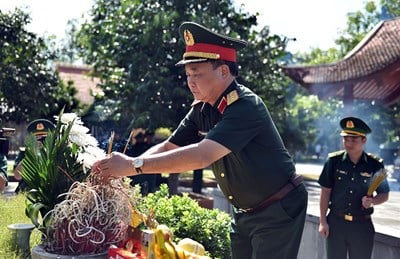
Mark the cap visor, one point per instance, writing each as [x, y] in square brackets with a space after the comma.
[187, 61]
[346, 134]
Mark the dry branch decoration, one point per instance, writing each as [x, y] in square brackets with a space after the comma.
[93, 216]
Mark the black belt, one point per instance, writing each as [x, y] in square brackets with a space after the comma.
[295, 181]
[352, 217]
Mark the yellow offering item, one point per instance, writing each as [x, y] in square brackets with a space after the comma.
[376, 180]
[191, 246]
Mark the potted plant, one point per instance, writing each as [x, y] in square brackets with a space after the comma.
[75, 212]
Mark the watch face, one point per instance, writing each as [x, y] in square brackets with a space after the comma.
[138, 162]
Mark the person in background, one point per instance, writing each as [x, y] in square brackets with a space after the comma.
[39, 128]
[3, 172]
[230, 128]
[344, 182]
[318, 149]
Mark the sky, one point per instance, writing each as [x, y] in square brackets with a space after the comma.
[314, 23]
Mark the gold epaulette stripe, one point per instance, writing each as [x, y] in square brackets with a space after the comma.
[336, 153]
[232, 97]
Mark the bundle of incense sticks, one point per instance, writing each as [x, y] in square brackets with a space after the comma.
[376, 180]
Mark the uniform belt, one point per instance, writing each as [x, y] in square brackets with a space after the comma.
[352, 217]
[295, 181]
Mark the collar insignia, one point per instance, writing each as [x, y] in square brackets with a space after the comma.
[365, 174]
[222, 105]
[230, 98]
[189, 40]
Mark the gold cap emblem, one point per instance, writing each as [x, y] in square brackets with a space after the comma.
[189, 40]
[40, 126]
[349, 124]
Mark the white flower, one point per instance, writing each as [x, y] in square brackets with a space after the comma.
[67, 118]
[80, 137]
[88, 150]
[90, 155]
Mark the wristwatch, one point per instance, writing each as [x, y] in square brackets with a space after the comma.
[138, 164]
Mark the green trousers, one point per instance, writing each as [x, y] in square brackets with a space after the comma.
[273, 233]
[354, 238]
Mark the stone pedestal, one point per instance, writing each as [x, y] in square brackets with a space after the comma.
[20, 237]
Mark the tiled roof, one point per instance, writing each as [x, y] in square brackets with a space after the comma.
[85, 84]
[371, 69]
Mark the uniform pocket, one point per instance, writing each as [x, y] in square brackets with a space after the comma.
[295, 202]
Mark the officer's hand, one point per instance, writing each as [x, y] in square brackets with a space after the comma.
[115, 165]
[367, 202]
[323, 229]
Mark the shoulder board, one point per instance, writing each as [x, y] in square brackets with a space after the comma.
[227, 100]
[375, 157]
[336, 153]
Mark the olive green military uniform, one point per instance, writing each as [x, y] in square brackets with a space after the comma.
[350, 225]
[38, 128]
[3, 168]
[258, 166]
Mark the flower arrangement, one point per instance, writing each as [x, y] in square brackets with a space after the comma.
[50, 169]
[79, 214]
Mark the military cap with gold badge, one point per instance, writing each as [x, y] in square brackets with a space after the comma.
[202, 44]
[355, 127]
[40, 127]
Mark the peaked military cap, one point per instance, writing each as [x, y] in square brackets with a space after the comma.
[352, 126]
[203, 44]
[40, 127]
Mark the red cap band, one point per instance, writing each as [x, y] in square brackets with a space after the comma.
[227, 54]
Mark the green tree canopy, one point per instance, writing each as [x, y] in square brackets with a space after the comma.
[134, 46]
[29, 88]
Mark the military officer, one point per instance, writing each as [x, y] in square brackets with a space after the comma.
[230, 128]
[38, 128]
[344, 181]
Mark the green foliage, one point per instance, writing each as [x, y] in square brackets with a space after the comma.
[186, 218]
[49, 171]
[162, 133]
[29, 88]
[134, 46]
[11, 212]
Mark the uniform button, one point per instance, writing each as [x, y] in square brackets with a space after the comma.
[349, 205]
[230, 197]
[351, 191]
[352, 178]
[365, 181]
[222, 175]
[339, 178]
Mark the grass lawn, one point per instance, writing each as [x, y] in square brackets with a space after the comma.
[12, 210]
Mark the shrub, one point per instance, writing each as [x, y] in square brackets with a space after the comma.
[186, 218]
